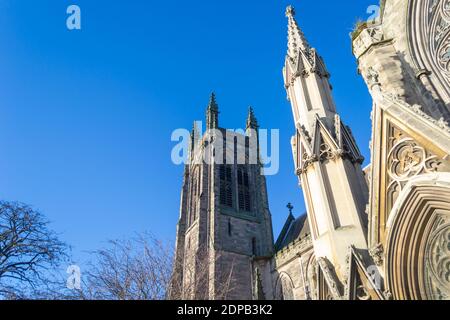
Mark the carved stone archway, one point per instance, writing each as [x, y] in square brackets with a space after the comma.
[285, 287]
[429, 39]
[418, 243]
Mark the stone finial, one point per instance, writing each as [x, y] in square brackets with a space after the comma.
[193, 143]
[296, 38]
[212, 113]
[252, 122]
[290, 11]
[212, 102]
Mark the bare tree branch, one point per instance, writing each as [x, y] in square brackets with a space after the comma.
[134, 269]
[29, 250]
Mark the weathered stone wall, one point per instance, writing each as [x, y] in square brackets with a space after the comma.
[289, 267]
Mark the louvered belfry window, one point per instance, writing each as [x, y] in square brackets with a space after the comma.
[244, 189]
[226, 185]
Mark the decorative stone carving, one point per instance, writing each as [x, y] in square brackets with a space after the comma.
[362, 293]
[429, 36]
[366, 39]
[439, 22]
[326, 153]
[387, 295]
[311, 277]
[377, 253]
[441, 123]
[372, 77]
[419, 240]
[437, 260]
[330, 279]
[407, 159]
[308, 160]
[305, 133]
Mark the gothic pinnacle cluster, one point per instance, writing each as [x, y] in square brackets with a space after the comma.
[212, 116]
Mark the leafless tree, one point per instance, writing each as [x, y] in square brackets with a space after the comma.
[131, 269]
[195, 282]
[29, 251]
[141, 268]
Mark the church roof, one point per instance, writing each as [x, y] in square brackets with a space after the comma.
[294, 229]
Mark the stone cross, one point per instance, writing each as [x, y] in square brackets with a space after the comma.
[290, 207]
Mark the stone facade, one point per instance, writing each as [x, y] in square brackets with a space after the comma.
[375, 233]
[403, 58]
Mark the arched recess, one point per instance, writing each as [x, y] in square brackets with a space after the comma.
[311, 278]
[284, 287]
[429, 41]
[418, 243]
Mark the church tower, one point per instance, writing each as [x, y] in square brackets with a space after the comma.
[225, 222]
[327, 160]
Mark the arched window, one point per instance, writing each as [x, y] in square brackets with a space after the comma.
[285, 288]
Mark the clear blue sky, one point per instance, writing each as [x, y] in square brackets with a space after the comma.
[86, 116]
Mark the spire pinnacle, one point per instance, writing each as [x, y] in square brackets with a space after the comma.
[252, 123]
[212, 113]
[296, 38]
[290, 11]
[195, 136]
[213, 103]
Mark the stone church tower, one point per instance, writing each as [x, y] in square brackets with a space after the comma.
[225, 220]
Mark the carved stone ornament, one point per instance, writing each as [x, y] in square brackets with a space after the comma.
[408, 159]
[439, 22]
[418, 240]
[377, 253]
[441, 123]
[366, 39]
[429, 38]
[331, 279]
[372, 77]
[326, 153]
[437, 260]
[362, 293]
[308, 160]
